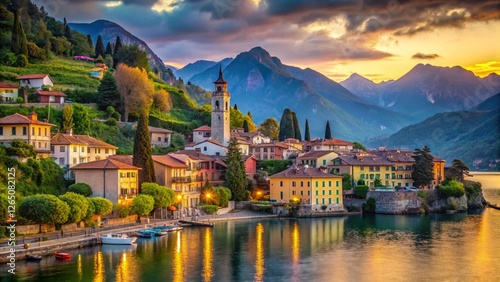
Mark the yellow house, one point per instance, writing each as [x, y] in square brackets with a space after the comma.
[110, 179]
[367, 168]
[318, 158]
[8, 92]
[28, 129]
[309, 185]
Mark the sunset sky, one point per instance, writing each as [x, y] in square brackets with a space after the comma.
[380, 40]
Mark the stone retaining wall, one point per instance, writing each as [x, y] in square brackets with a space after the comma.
[34, 229]
[407, 202]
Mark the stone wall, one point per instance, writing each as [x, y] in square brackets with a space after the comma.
[386, 202]
[435, 204]
[34, 229]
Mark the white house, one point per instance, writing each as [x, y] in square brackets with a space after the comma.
[35, 80]
[159, 136]
[202, 133]
[208, 147]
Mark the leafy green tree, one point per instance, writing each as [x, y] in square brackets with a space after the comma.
[82, 115]
[132, 56]
[21, 149]
[245, 125]
[102, 206]
[377, 182]
[346, 181]
[109, 49]
[423, 174]
[143, 204]
[296, 127]
[286, 126]
[307, 135]
[107, 92]
[143, 152]
[235, 172]
[81, 189]
[77, 204]
[451, 188]
[359, 146]
[457, 170]
[162, 195]
[99, 48]
[4, 204]
[235, 118]
[361, 190]
[222, 196]
[90, 42]
[90, 209]
[271, 128]
[44, 208]
[328, 131]
[67, 118]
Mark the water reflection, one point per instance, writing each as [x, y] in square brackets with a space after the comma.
[79, 267]
[178, 264]
[99, 274]
[295, 251]
[207, 255]
[259, 253]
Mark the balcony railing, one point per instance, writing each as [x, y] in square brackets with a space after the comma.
[127, 196]
[183, 179]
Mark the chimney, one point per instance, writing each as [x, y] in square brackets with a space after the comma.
[323, 169]
[69, 131]
[33, 116]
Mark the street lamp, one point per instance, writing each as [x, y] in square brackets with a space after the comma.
[259, 193]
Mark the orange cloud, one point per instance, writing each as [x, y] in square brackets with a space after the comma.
[484, 69]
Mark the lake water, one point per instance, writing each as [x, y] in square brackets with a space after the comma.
[438, 247]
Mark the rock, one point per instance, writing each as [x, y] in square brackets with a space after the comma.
[476, 201]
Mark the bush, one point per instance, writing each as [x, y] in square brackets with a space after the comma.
[361, 190]
[422, 193]
[210, 209]
[452, 188]
[44, 208]
[472, 187]
[369, 206]
[90, 209]
[352, 208]
[361, 182]
[122, 210]
[143, 204]
[78, 206]
[102, 206]
[324, 207]
[19, 100]
[81, 188]
[22, 61]
[222, 196]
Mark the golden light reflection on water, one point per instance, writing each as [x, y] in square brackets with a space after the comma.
[99, 273]
[178, 261]
[79, 267]
[208, 270]
[127, 269]
[295, 251]
[259, 260]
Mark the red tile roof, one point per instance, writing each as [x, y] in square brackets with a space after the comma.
[127, 159]
[51, 93]
[20, 119]
[315, 154]
[303, 171]
[33, 76]
[108, 164]
[93, 142]
[331, 141]
[203, 128]
[8, 85]
[169, 161]
[65, 139]
[158, 130]
[195, 155]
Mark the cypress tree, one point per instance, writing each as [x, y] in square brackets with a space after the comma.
[67, 32]
[296, 127]
[286, 126]
[245, 125]
[235, 172]
[235, 107]
[67, 118]
[118, 45]
[99, 48]
[423, 173]
[18, 44]
[90, 42]
[107, 93]
[109, 49]
[328, 131]
[142, 150]
[307, 135]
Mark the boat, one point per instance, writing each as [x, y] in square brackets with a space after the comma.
[168, 228]
[33, 257]
[197, 223]
[158, 231]
[60, 255]
[145, 233]
[117, 239]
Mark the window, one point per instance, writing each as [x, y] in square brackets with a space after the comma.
[205, 149]
[308, 193]
[293, 183]
[302, 193]
[281, 183]
[371, 168]
[308, 184]
[317, 202]
[106, 151]
[337, 200]
[329, 200]
[293, 192]
[24, 130]
[301, 183]
[133, 174]
[88, 150]
[128, 174]
[61, 161]
[323, 183]
[316, 183]
[329, 192]
[45, 131]
[281, 195]
[74, 160]
[39, 144]
[82, 149]
[74, 149]
[39, 131]
[317, 192]
[1, 130]
[159, 139]
[324, 192]
[362, 168]
[329, 184]
[32, 131]
[337, 184]
[324, 162]
[217, 106]
[386, 176]
[13, 131]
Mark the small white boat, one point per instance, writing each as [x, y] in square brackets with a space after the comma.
[117, 239]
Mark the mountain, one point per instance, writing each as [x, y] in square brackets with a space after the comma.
[465, 135]
[174, 69]
[110, 30]
[361, 86]
[426, 90]
[263, 85]
[192, 69]
[207, 70]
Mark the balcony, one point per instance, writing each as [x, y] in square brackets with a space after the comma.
[182, 179]
[127, 196]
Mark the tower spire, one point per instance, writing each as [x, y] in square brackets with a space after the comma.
[221, 77]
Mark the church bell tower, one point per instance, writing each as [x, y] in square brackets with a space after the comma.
[221, 111]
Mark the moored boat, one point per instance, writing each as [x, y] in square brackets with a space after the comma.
[33, 257]
[168, 228]
[145, 233]
[158, 231]
[60, 255]
[117, 239]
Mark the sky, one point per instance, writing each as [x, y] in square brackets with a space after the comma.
[380, 40]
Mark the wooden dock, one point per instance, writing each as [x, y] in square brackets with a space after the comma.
[197, 223]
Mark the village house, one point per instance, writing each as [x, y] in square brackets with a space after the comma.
[367, 168]
[269, 151]
[301, 183]
[321, 144]
[317, 158]
[110, 179]
[252, 137]
[160, 137]
[209, 147]
[8, 92]
[56, 97]
[28, 129]
[202, 133]
[35, 81]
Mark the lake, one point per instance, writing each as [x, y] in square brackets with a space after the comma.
[437, 247]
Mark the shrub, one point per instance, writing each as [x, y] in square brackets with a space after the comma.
[90, 209]
[19, 100]
[361, 182]
[324, 207]
[22, 61]
[102, 206]
[422, 193]
[369, 206]
[222, 196]
[472, 187]
[361, 190]
[452, 188]
[210, 209]
[81, 188]
[143, 204]
[352, 208]
[78, 206]
[122, 210]
[44, 208]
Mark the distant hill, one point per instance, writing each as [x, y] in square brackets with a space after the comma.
[465, 135]
[206, 74]
[110, 30]
[361, 86]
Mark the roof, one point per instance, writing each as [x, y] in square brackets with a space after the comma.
[158, 130]
[203, 128]
[267, 145]
[195, 155]
[8, 85]
[20, 119]
[315, 154]
[50, 93]
[65, 139]
[169, 161]
[400, 155]
[303, 171]
[213, 141]
[180, 157]
[93, 142]
[220, 79]
[127, 159]
[364, 160]
[108, 164]
[331, 141]
[33, 76]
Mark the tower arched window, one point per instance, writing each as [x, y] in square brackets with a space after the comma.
[219, 88]
[217, 105]
[227, 107]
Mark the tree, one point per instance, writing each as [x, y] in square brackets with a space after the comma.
[328, 131]
[346, 181]
[90, 209]
[235, 172]
[286, 126]
[222, 196]
[107, 92]
[457, 170]
[296, 127]
[135, 88]
[251, 125]
[21, 149]
[44, 208]
[67, 118]
[99, 48]
[271, 128]
[245, 125]
[359, 146]
[162, 100]
[67, 31]
[143, 204]
[423, 167]
[18, 44]
[143, 152]
[82, 115]
[81, 189]
[163, 196]
[77, 205]
[307, 135]
[377, 182]
[102, 206]
[133, 56]
[90, 42]
[109, 49]
[118, 45]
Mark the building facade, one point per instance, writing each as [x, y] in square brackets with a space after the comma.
[35, 80]
[221, 111]
[160, 137]
[8, 92]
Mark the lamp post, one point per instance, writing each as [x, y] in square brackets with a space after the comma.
[259, 193]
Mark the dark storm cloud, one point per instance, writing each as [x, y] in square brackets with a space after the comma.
[425, 56]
